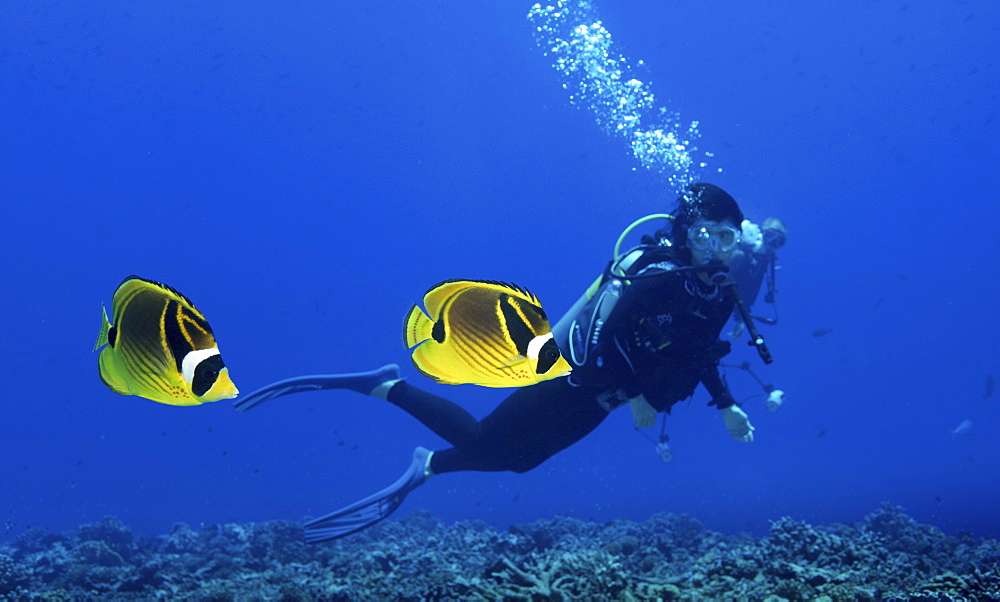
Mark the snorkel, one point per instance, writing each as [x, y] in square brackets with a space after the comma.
[615, 268]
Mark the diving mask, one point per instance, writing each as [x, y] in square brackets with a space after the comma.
[716, 237]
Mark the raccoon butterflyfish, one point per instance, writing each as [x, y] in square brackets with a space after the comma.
[160, 347]
[483, 332]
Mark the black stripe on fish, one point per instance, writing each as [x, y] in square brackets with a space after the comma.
[520, 332]
[548, 355]
[199, 321]
[174, 335]
[535, 314]
[205, 374]
[437, 331]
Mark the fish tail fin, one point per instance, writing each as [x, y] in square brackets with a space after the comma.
[102, 337]
[417, 327]
[108, 371]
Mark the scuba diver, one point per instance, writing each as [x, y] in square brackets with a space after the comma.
[755, 261]
[646, 334]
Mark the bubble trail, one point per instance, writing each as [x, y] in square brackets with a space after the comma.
[599, 78]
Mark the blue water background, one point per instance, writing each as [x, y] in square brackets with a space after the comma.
[303, 171]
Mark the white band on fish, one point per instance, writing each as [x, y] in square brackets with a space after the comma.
[535, 345]
[192, 359]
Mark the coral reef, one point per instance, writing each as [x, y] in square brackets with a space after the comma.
[887, 556]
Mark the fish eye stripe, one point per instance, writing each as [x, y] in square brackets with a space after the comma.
[546, 359]
[206, 374]
[537, 344]
[193, 361]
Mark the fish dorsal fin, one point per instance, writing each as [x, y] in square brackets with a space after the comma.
[437, 295]
[513, 289]
[134, 282]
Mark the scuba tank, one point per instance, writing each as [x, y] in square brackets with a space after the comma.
[579, 329]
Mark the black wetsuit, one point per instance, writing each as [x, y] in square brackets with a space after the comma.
[660, 340]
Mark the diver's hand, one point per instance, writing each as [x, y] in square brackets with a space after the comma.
[738, 424]
[751, 234]
[642, 412]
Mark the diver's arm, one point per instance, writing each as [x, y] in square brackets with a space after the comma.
[643, 413]
[736, 421]
[722, 398]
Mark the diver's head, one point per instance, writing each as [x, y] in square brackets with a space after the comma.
[773, 235]
[707, 225]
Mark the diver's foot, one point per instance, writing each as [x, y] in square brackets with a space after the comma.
[375, 382]
[367, 383]
[374, 508]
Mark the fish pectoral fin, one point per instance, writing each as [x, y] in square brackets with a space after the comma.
[510, 362]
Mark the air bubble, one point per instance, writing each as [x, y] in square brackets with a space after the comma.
[599, 78]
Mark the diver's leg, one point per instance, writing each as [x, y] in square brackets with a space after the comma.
[524, 430]
[446, 418]
[527, 428]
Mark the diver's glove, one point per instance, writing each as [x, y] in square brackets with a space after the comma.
[643, 413]
[774, 400]
[738, 424]
[751, 234]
